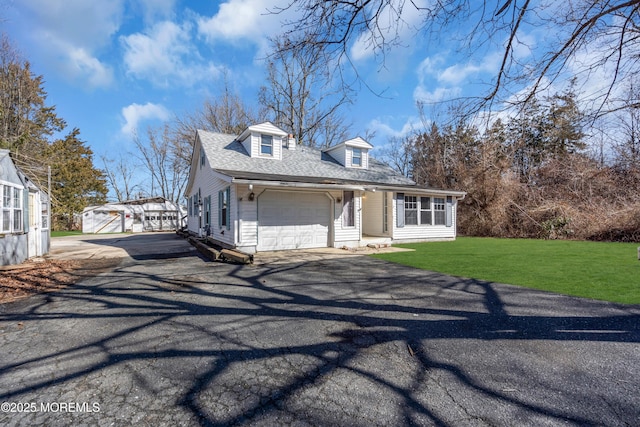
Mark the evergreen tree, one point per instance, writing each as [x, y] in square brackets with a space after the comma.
[26, 122]
[76, 182]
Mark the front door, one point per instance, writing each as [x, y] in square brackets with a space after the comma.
[34, 229]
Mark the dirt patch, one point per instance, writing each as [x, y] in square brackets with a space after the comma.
[37, 276]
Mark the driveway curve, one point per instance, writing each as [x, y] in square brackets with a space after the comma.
[167, 338]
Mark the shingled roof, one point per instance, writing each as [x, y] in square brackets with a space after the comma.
[227, 156]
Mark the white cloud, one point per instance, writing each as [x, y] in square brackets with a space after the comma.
[95, 72]
[165, 55]
[245, 20]
[136, 113]
[386, 131]
[460, 73]
[75, 30]
[78, 22]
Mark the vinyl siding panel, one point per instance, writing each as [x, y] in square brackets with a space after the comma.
[339, 154]
[209, 185]
[347, 235]
[247, 238]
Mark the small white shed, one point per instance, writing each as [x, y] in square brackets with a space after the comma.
[151, 214]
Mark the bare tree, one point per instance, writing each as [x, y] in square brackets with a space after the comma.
[302, 96]
[627, 149]
[163, 157]
[120, 175]
[608, 28]
[398, 153]
[224, 113]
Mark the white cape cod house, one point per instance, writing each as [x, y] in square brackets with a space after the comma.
[259, 191]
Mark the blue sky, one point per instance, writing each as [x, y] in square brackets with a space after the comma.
[114, 67]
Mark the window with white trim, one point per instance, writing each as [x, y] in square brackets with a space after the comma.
[12, 209]
[224, 211]
[425, 211]
[17, 209]
[439, 214]
[410, 210]
[45, 214]
[419, 210]
[5, 224]
[356, 156]
[266, 145]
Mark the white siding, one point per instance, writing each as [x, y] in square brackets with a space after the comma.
[247, 238]
[347, 236]
[252, 145]
[349, 156]
[209, 184]
[248, 146]
[339, 154]
[416, 233]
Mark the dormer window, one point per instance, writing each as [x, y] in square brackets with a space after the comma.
[356, 157]
[266, 145]
[353, 153]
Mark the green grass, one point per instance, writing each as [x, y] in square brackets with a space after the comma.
[604, 271]
[63, 233]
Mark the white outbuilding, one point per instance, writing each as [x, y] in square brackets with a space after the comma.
[151, 214]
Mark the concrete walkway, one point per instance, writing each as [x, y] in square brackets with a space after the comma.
[168, 339]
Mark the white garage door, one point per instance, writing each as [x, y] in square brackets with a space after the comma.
[292, 220]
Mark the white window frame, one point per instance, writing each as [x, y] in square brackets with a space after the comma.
[264, 145]
[439, 209]
[11, 209]
[355, 150]
[411, 205]
[414, 208]
[422, 208]
[18, 210]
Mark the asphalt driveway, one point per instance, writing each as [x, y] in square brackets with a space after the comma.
[168, 338]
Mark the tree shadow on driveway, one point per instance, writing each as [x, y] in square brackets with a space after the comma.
[351, 341]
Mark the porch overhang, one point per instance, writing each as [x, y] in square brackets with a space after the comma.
[329, 184]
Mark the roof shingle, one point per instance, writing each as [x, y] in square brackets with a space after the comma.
[304, 164]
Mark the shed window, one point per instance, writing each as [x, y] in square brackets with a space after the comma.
[12, 209]
[266, 145]
[17, 209]
[45, 214]
[348, 209]
[5, 225]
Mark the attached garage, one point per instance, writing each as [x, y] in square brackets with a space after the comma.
[293, 220]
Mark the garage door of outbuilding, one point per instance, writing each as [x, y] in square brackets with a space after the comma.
[293, 220]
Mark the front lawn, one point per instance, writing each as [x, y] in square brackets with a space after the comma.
[604, 271]
[63, 233]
